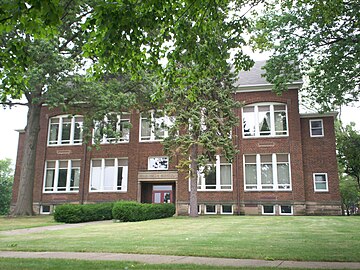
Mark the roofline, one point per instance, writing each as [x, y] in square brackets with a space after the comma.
[264, 87]
[314, 115]
[20, 130]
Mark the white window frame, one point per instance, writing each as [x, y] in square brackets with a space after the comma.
[153, 120]
[116, 165]
[210, 213]
[267, 214]
[42, 210]
[218, 186]
[120, 120]
[311, 129]
[286, 214]
[224, 213]
[326, 182]
[72, 130]
[56, 176]
[199, 209]
[272, 120]
[274, 164]
[158, 169]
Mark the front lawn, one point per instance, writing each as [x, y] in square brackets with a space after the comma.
[261, 237]
[12, 223]
[57, 264]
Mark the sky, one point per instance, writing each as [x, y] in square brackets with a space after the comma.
[15, 119]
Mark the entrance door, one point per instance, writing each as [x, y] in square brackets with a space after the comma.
[162, 194]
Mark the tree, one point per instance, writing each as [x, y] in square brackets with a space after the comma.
[202, 127]
[6, 182]
[316, 39]
[348, 145]
[350, 194]
[41, 56]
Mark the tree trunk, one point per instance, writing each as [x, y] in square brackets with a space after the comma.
[24, 202]
[193, 181]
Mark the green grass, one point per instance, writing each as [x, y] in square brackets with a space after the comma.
[59, 264]
[271, 238]
[12, 223]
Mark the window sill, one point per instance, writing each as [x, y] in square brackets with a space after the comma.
[60, 192]
[321, 191]
[215, 190]
[107, 191]
[268, 190]
[150, 141]
[62, 145]
[265, 137]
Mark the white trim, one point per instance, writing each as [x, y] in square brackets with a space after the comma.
[60, 128]
[116, 166]
[317, 115]
[326, 182]
[267, 214]
[322, 127]
[221, 209]
[286, 214]
[56, 176]
[42, 210]
[274, 164]
[272, 120]
[264, 87]
[210, 213]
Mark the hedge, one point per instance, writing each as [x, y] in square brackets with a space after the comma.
[130, 211]
[76, 213]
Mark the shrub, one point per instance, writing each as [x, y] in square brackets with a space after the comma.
[130, 211]
[75, 213]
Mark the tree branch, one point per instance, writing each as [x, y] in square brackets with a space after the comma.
[11, 104]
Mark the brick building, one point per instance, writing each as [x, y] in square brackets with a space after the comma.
[286, 163]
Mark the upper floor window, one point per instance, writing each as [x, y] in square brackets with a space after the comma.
[109, 174]
[65, 129]
[265, 119]
[216, 176]
[316, 128]
[320, 182]
[114, 128]
[154, 126]
[158, 163]
[267, 172]
[62, 176]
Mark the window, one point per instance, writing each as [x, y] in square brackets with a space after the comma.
[45, 209]
[265, 120]
[285, 210]
[109, 175]
[114, 128]
[320, 182]
[62, 176]
[268, 210]
[267, 172]
[316, 128]
[154, 126]
[210, 209]
[65, 129]
[158, 163]
[216, 176]
[227, 209]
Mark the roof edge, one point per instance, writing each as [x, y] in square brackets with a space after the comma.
[265, 87]
[312, 115]
[20, 130]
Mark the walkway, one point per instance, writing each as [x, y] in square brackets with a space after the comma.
[161, 259]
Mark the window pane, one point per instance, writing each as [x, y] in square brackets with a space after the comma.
[250, 159]
[249, 121]
[268, 209]
[210, 208]
[225, 174]
[264, 120]
[283, 173]
[75, 179]
[145, 129]
[54, 131]
[62, 180]
[159, 127]
[280, 123]
[66, 128]
[320, 186]
[49, 181]
[250, 174]
[124, 130]
[266, 174]
[77, 132]
[122, 162]
[316, 124]
[227, 209]
[96, 177]
[210, 178]
[119, 178]
[109, 176]
[158, 163]
[285, 209]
